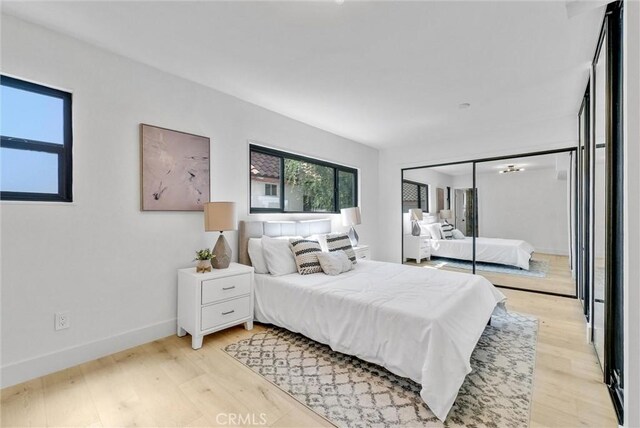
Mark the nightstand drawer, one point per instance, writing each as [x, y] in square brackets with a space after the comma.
[222, 313]
[214, 290]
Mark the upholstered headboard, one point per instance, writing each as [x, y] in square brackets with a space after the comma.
[256, 229]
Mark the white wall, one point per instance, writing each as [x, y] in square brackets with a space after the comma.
[632, 213]
[110, 265]
[530, 205]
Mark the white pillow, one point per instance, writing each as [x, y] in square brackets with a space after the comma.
[457, 234]
[334, 263]
[322, 240]
[434, 231]
[256, 256]
[424, 229]
[278, 255]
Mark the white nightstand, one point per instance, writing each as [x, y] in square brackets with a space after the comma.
[417, 247]
[212, 301]
[362, 252]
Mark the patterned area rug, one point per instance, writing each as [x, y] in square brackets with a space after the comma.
[537, 268]
[352, 393]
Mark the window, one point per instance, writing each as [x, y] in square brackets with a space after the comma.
[414, 195]
[35, 142]
[271, 190]
[308, 185]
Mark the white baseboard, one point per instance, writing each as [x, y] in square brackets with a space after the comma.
[552, 251]
[22, 371]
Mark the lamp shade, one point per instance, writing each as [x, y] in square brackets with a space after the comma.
[415, 214]
[219, 216]
[445, 214]
[350, 216]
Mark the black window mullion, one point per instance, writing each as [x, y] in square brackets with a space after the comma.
[32, 145]
[281, 185]
[336, 194]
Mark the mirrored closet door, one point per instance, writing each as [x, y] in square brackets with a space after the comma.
[599, 186]
[525, 222]
[438, 202]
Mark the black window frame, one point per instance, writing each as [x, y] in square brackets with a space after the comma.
[64, 151]
[291, 156]
[424, 208]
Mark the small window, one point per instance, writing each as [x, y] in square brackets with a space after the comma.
[271, 190]
[414, 195]
[308, 185]
[35, 142]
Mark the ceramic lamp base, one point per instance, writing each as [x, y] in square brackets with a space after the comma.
[222, 253]
[353, 236]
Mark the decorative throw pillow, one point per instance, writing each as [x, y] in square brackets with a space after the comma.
[341, 242]
[305, 252]
[457, 234]
[335, 263]
[447, 231]
[278, 256]
[257, 257]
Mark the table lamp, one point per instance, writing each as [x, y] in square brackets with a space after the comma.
[416, 216]
[445, 215]
[218, 217]
[350, 218]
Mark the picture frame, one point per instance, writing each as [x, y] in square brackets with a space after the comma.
[175, 170]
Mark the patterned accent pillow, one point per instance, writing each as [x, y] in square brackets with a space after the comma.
[447, 230]
[305, 252]
[341, 242]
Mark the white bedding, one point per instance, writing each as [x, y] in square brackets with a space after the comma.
[512, 252]
[418, 323]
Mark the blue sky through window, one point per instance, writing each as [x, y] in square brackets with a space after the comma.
[31, 116]
[28, 171]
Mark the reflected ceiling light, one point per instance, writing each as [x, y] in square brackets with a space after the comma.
[339, 1]
[510, 168]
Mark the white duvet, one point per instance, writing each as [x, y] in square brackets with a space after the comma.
[419, 323]
[512, 252]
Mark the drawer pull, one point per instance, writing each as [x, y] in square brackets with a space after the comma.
[227, 313]
[229, 288]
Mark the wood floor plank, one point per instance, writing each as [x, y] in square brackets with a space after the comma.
[23, 405]
[166, 383]
[68, 401]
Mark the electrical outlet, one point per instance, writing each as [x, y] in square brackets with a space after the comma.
[62, 320]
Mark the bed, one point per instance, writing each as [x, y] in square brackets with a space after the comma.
[418, 323]
[511, 252]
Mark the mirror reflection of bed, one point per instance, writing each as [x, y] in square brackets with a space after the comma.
[523, 229]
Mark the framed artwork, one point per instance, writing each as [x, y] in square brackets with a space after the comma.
[175, 170]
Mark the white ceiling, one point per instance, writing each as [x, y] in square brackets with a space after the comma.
[381, 73]
[556, 161]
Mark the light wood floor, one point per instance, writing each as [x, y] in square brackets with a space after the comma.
[166, 383]
[558, 279]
